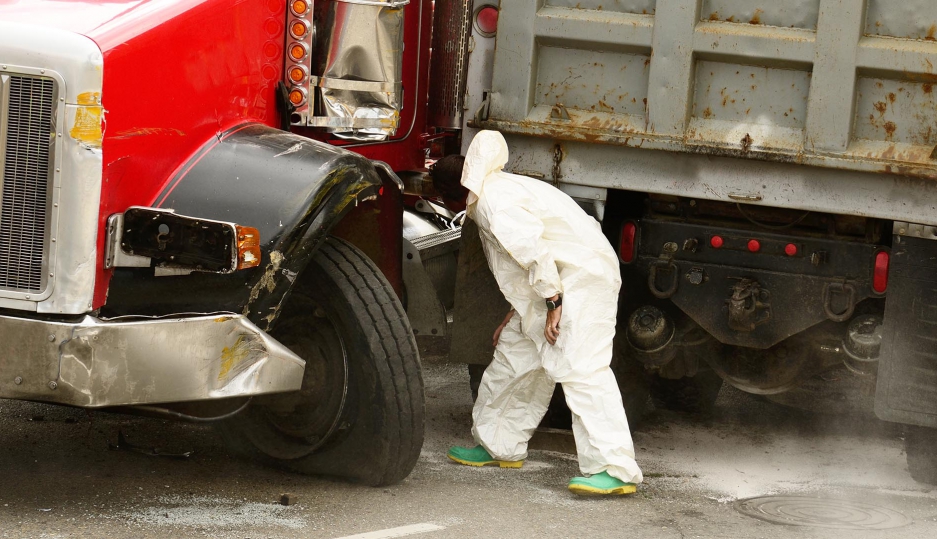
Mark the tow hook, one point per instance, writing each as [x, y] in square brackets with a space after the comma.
[748, 306]
[833, 290]
[664, 264]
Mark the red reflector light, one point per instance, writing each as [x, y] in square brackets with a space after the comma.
[790, 249]
[754, 246]
[626, 248]
[486, 21]
[880, 272]
[716, 241]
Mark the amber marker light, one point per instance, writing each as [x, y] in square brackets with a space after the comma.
[297, 51]
[248, 247]
[297, 74]
[299, 29]
[297, 96]
[299, 7]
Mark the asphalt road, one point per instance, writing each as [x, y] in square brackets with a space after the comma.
[60, 480]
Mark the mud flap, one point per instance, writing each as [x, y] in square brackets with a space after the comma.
[906, 390]
[479, 305]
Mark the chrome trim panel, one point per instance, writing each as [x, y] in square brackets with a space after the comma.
[27, 143]
[114, 256]
[358, 69]
[19, 210]
[77, 65]
[96, 363]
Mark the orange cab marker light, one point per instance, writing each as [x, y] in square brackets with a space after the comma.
[299, 7]
[297, 74]
[298, 29]
[297, 97]
[248, 247]
[297, 51]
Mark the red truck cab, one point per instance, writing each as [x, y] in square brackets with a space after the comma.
[180, 233]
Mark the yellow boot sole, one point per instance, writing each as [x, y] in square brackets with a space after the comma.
[585, 490]
[479, 464]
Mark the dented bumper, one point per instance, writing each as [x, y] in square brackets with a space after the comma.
[96, 363]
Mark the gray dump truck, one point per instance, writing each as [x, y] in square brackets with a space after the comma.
[767, 172]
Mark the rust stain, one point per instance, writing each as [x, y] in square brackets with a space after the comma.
[731, 19]
[714, 16]
[708, 113]
[928, 87]
[593, 122]
[881, 107]
[890, 128]
[931, 33]
[756, 18]
[891, 97]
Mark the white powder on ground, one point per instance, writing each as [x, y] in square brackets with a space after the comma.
[727, 464]
[212, 513]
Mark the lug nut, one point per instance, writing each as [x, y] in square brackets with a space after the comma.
[18, 380]
[53, 385]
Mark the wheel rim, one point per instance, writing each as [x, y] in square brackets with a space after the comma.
[303, 421]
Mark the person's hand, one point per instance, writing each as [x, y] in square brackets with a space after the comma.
[497, 336]
[552, 331]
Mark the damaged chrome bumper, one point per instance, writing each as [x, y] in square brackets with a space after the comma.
[96, 363]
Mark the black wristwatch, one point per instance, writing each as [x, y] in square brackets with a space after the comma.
[552, 304]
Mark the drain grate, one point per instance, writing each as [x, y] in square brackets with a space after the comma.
[821, 513]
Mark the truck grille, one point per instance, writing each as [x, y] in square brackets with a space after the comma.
[26, 152]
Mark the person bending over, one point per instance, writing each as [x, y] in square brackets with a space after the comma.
[561, 277]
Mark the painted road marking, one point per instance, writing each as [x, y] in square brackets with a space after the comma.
[397, 532]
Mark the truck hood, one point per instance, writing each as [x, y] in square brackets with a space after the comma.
[109, 23]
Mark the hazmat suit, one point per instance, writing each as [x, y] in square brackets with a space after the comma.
[538, 243]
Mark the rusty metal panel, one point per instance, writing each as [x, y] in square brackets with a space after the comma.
[733, 101]
[645, 7]
[843, 84]
[911, 19]
[592, 81]
[895, 116]
[783, 13]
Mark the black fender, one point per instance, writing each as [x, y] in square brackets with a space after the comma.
[294, 190]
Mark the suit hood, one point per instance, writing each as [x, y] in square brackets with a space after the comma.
[487, 155]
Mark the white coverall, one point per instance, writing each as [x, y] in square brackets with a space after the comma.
[539, 243]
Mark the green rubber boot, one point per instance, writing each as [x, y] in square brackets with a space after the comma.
[600, 484]
[479, 456]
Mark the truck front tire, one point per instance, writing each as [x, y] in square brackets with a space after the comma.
[359, 414]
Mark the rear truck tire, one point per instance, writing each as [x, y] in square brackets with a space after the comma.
[921, 448]
[632, 382]
[360, 412]
[687, 383]
[695, 394]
